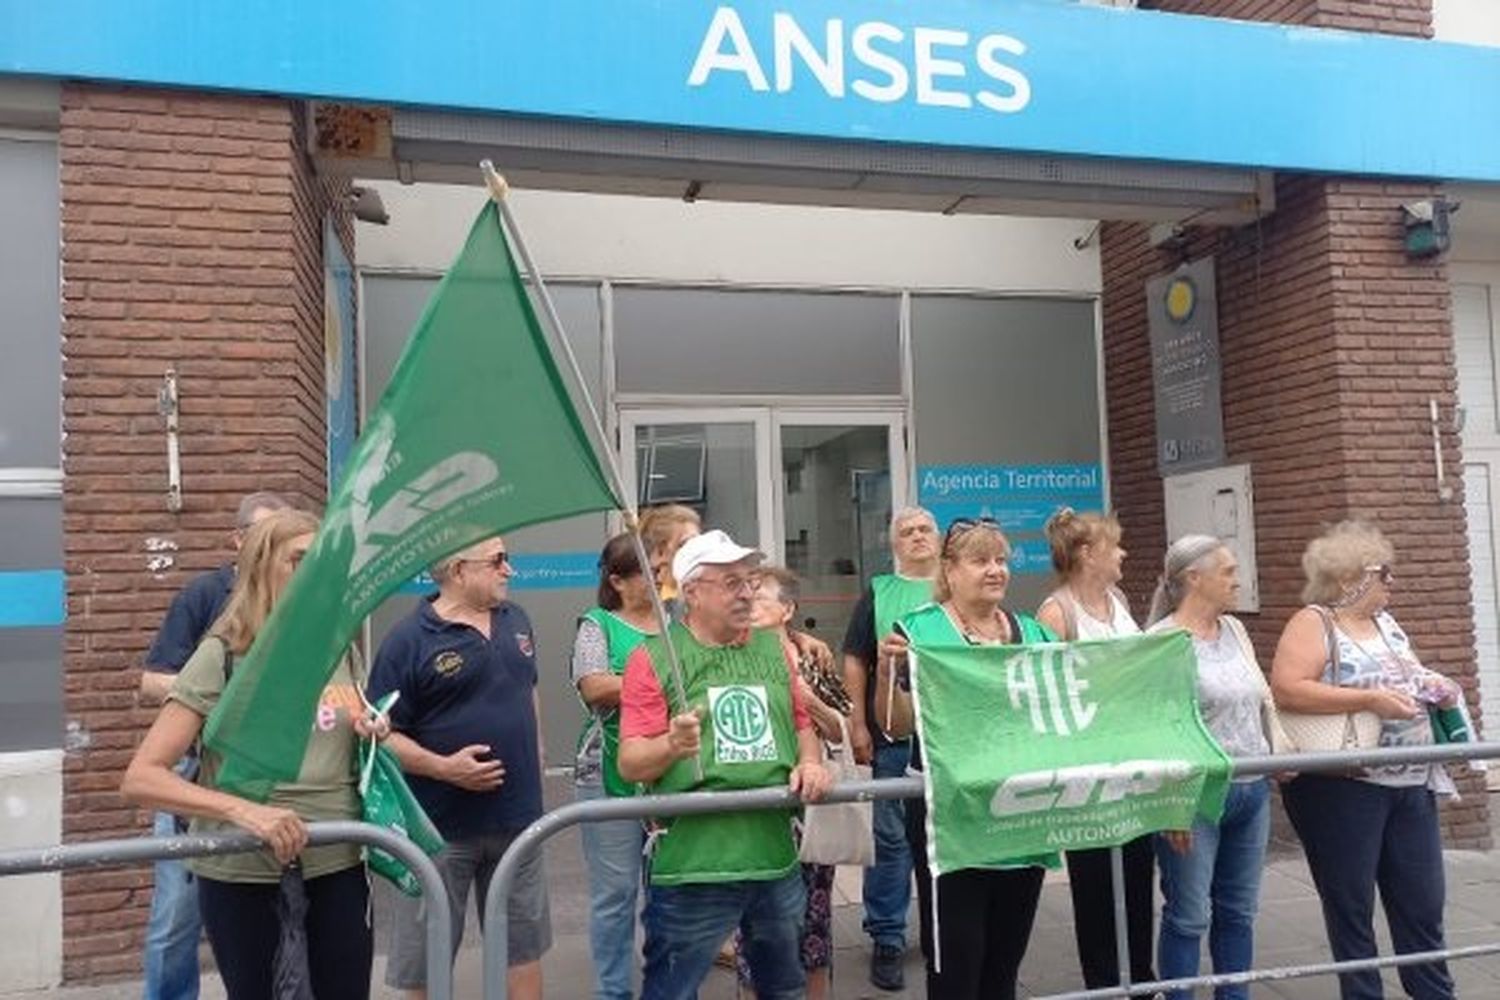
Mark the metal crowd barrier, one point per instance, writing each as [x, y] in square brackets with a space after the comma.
[645, 806]
[115, 853]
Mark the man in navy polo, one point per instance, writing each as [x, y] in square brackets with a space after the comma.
[465, 729]
[173, 928]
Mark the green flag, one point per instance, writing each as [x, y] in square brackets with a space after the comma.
[475, 435]
[1033, 749]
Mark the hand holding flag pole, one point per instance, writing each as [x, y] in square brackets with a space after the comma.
[499, 189]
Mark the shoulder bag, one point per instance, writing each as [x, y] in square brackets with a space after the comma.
[1321, 732]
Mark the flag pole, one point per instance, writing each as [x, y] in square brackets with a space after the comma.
[499, 189]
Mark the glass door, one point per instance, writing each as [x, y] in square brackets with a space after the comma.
[715, 461]
[812, 488]
[835, 496]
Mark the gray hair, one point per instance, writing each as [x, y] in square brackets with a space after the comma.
[1190, 552]
[441, 570]
[254, 503]
[911, 513]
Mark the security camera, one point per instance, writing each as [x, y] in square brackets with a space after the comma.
[367, 206]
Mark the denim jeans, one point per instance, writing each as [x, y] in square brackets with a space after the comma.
[173, 928]
[1215, 889]
[887, 885]
[612, 852]
[686, 925]
[1359, 835]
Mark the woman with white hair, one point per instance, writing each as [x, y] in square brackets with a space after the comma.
[1344, 654]
[1210, 875]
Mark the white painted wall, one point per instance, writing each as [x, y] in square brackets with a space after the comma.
[658, 239]
[1474, 22]
[30, 816]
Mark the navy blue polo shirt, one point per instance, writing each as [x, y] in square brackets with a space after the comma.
[459, 688]
[196, 607]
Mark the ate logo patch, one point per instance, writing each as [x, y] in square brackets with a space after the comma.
[447, 663]
[523, 643]
[742, 724]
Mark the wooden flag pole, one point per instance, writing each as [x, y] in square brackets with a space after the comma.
[499, 189]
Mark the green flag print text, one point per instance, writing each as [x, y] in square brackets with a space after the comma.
[475, 435]
[1034, 749]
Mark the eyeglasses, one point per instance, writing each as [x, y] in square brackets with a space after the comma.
[735, 584]
[1382, 572]
[498, 561]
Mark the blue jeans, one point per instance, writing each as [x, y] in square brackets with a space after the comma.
[887, 886]
[686, 925]
[612, 852]
[1215, 889]
[173, 928]
[1359, 835]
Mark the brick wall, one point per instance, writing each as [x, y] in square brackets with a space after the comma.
[1332, 344]
[191, 239]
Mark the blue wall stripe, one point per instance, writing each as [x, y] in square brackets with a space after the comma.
[32, 598]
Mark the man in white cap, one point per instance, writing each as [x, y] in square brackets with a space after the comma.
[741, 717]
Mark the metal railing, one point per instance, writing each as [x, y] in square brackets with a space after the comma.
[136, 850]
[647, 806]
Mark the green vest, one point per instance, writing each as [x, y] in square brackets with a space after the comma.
[896, 597]
[749, 741]
[620, 638]
[931, 625]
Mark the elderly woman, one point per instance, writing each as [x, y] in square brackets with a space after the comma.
[984, 914]
[1087, 604]
[1210, 875]
[1345, 653]
[828, 705]
[607, 635]
[238, 893]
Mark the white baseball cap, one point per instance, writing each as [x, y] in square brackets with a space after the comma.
[712, 548]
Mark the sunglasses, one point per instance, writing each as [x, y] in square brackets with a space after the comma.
[497, 561]
[960, 526]
[1382, 572]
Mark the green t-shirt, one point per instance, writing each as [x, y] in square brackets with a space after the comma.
[326, 788]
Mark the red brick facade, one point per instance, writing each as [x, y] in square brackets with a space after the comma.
[192, 239]
[1333, 343]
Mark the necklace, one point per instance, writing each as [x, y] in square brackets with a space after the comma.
[973, 635]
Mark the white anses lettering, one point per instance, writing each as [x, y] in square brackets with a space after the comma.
[440, 485]
[889, 63]
[1075, 787]
[726, 25]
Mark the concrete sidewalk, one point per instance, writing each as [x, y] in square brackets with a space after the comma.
[1289, 932]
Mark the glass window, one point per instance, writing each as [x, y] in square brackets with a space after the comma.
[30, 314]
[697, 341]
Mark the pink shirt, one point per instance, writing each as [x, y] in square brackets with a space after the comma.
[643, 703]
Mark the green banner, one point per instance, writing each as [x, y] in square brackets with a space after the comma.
[1030, 750]
[475, 435]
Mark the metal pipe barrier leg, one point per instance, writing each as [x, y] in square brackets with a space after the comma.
[115, 853]
[1122, 933]
[496, 916]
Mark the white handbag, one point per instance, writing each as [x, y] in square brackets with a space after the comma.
[1322, 732]
[839, 833]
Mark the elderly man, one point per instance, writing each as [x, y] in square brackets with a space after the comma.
[887, 885]
[741, 717]
[466, 730]
[173, 929]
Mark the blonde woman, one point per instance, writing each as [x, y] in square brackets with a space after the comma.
[1088, 604]
[1345, 653]
[238, 893]
[984, 914]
